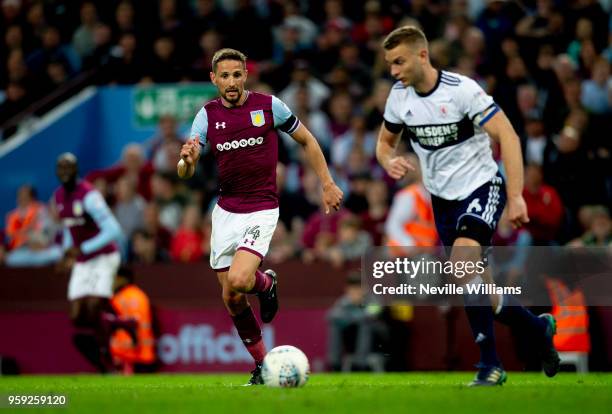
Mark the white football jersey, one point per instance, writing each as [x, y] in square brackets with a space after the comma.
[444, 126]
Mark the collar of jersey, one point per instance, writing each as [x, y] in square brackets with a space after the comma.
[424, 94]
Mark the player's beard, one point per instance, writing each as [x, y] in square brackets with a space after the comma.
[235, 100]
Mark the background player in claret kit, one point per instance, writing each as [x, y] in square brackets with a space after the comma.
[449, 120]
[90, 238]
[240, 127]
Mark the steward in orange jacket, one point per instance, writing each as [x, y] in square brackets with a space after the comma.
[132, 344]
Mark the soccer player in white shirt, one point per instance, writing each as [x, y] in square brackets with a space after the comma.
[449, 120]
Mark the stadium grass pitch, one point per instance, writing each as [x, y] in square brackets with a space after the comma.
[325, 393]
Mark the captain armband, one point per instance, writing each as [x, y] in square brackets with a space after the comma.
[290, 125]
[394, 128]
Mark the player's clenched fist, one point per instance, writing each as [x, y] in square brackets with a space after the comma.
[397, 167]
[190, 152]
[332, 197]
[517, 211]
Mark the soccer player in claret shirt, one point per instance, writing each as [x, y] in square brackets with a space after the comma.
[90, 235]
[240, 127]
[449, 120]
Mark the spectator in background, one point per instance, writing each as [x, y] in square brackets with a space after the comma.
[598, 229]
[566, 166]
[52, 49]
[17, 71]
[133, 165]
[128, 209]
[186, 245]
[584, 32]
[29, 232]
[11, 12]
[36, 21]
[124, 19]
[359, 180]
[153, 226]
[287, 43]
[340, 111]
[302, 77]
[164, 67]
[295, 207]
[373, 220]
[353, 242]
[283, 245]
[13, 41]
[320, 233]
[144, 249]
[535, 139]
[170, 201]
[100, 55]
[354, 326]
[126, 63]
[56, 75]
[16, 101]
[207, 16]
[163, 149]
[210, 42]
[596, 94]
[374, 106]
[83, 38]
[313, 118]
[356, 137]
[544, 206]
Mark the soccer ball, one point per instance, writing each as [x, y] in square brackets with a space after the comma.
[285, 366]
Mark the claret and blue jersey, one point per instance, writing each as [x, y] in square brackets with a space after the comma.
[244, 142]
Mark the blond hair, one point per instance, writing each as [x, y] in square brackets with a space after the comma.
[228, 54]
[410, 35]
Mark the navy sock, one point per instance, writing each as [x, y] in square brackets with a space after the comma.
[481, 318]
[515, 315]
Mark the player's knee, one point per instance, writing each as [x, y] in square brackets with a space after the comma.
[238, 280]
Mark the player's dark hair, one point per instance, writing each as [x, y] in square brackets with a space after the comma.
[409, 35]
[228, 54]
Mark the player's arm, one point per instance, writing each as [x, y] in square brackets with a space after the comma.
[332, 195]
[288, 123]
[500, 129]
[110, 230]
[485, 114]
[388, 138]
[190, 151]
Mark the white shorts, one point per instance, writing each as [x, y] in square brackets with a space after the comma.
[94, 277]
[234, 231]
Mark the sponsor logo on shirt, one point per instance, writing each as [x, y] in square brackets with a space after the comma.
[435, 135]
[240, 143]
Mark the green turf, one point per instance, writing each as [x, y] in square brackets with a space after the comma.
[324, 393]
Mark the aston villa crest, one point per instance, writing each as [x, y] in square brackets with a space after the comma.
[257, 118]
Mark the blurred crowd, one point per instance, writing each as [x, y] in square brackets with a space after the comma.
[546, 63]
